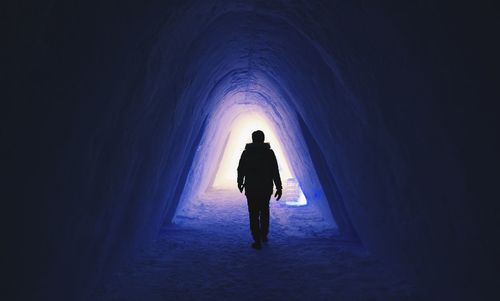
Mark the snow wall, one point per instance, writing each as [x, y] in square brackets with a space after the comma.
[106, 104]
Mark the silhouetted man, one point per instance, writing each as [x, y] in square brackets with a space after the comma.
[257, 170]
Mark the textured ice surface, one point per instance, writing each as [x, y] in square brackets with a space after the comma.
[206, 255]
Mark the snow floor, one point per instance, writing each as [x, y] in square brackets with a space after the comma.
[206, 255]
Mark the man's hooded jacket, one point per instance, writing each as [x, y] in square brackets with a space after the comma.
[258, 169]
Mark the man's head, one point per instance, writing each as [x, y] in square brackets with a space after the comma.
[258, 137]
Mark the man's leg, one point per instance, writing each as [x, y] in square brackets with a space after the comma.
[264, 217]
[253, 212]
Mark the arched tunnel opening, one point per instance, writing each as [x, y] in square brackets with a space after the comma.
[210, 191]
[229, 128]
[118, 130]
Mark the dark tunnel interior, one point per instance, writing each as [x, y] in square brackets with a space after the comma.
[105, 104]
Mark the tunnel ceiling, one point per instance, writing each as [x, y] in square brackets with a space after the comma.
[115, 99]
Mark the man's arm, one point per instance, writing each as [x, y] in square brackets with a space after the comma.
[276, 176]
[241, 171]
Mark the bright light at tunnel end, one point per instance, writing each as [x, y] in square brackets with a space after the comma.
[240, 133]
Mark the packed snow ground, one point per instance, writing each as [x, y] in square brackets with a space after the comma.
[206, 255]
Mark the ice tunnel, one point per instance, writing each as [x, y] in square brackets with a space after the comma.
[113, 114]
[229, 128]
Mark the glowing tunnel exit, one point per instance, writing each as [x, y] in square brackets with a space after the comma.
[212, 178]
[240, 133]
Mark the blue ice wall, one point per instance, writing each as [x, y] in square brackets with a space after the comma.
[104, 104]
